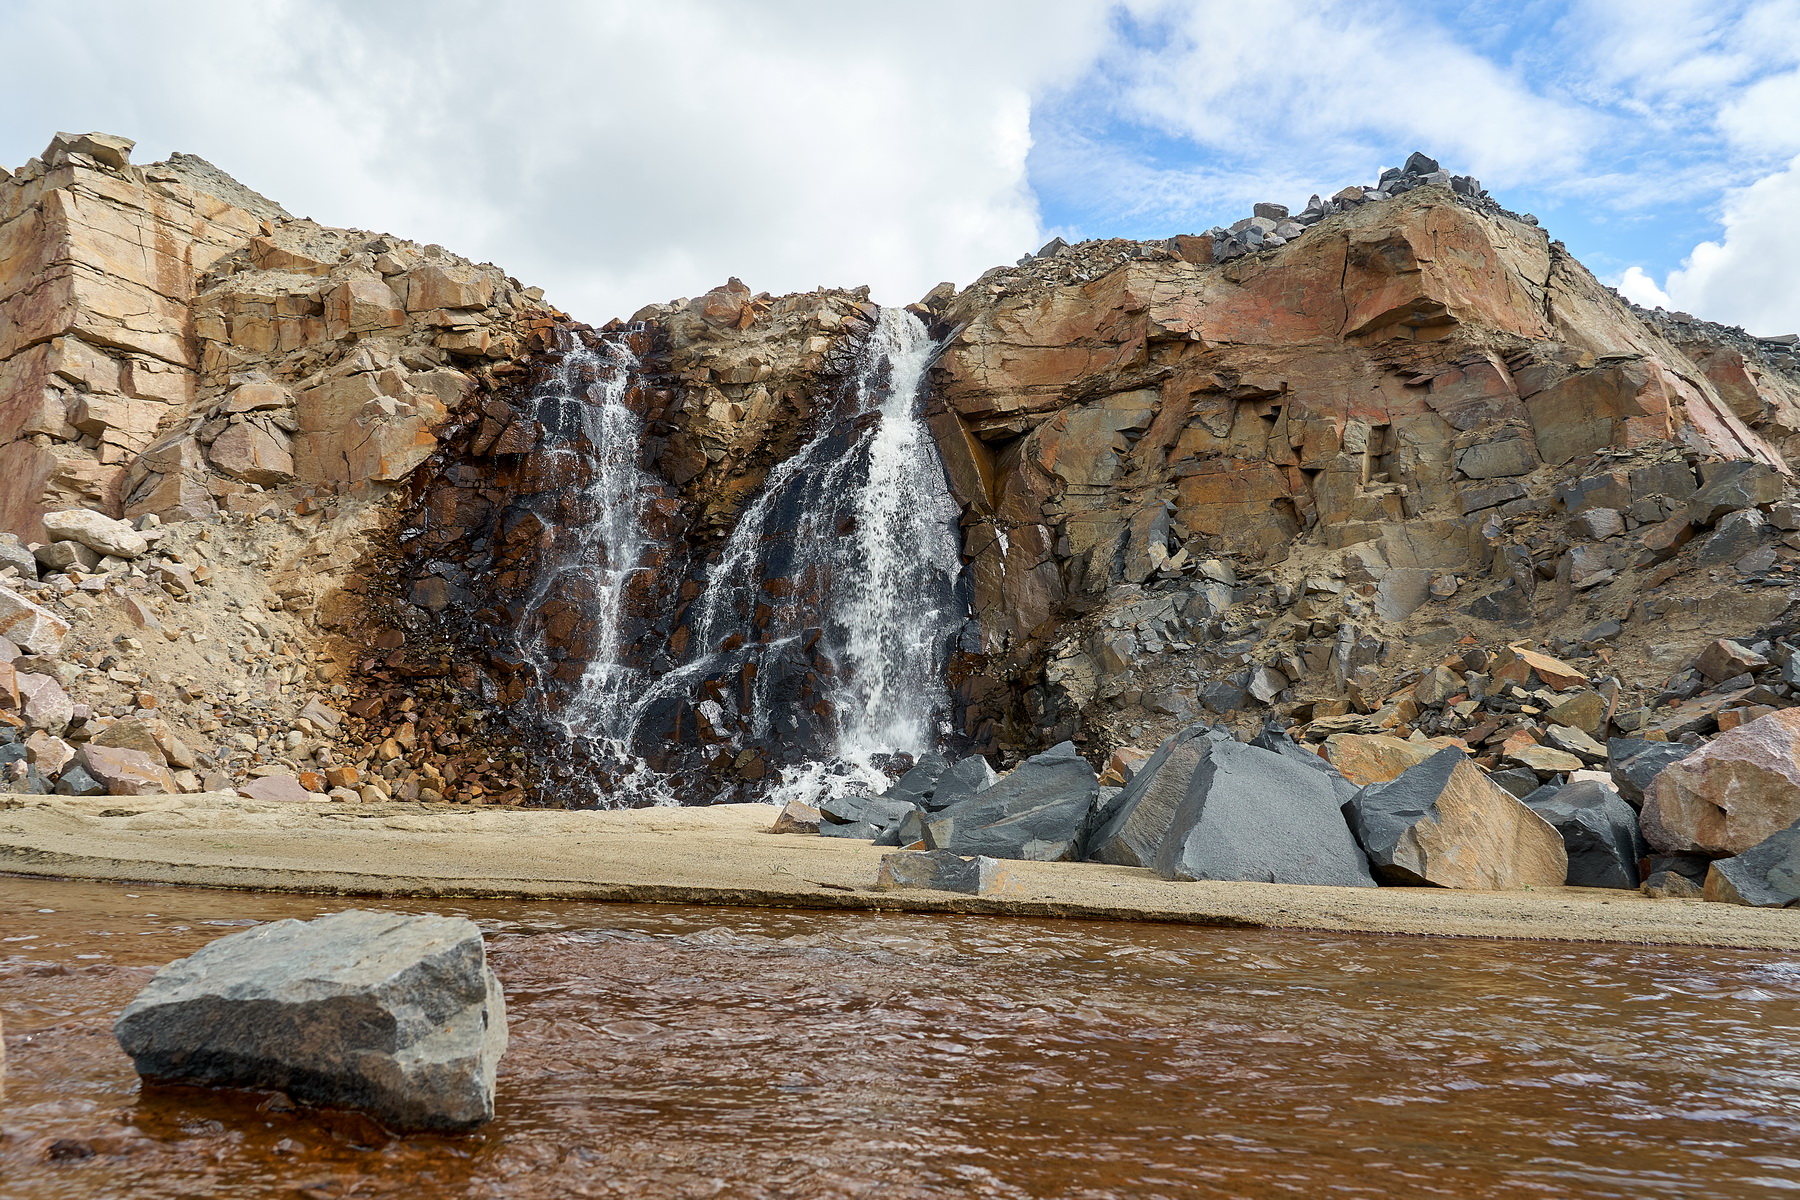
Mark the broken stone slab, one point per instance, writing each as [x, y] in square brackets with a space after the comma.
[397, 1015]
[1251, 814]
[1767, 875]
[942, 871]
[1724, 659]
[920, 780]
[1599, 831]
[1734, 486]
[1545, 760]
[796, 817]
[279, 789]
[96, 531]
[1365, 758]
[1443, 823]
[34, 630]
[1040, 811]
[964, 778]
[14, 554]
[127, 772]
[1574, 741]
[1731, 793]
[42, 702]
[878, 811]
[1132, 826]
[1585, 710]
[1436, 686]
[858, 830]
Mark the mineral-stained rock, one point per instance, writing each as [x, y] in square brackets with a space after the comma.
[1599, 831]
[399, 1015]
[1767, 875]
[796, 817]
[1253, 814]
[1040, 811]
[1731, 793]
[942, 871]
[1366, 758]
[1443, 823]
[283, 788]
[1634, 762]
[35, 630]
[1136, 820]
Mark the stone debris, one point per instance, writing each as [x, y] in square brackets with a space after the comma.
[1444, 823]
[397, 1015]
[1040, 811]
[944, 871]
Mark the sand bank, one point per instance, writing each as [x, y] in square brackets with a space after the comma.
[724, 855]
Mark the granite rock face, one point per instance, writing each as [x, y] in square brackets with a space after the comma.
[1731, 793]
[397, 1015]
[1444, 823]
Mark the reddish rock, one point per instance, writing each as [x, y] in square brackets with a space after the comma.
[1731, 793]
[127, 772]
[282, 788]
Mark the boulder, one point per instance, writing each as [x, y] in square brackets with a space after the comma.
[1444, 824]
[1132, 825]
[920, 781]
[1731, 793]
[96, 531]
[66, 556]
[34, 630]
[1634, 762]
[74, 781]
[1252, 814]
[43, 703]
[1767, 875]
[14, 554]
[1274, 739]
[1040, 811]
[394, 1014]
[854, 807]
[1733, 486]
[796, 817]
[942, 871]
[1366, 758]
[127, 772]
[1599, 831]
[1725, 659]
[284, 789]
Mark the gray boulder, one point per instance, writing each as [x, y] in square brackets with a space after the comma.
[1599, 830]
[1734, 486]
[1039, 812]
[879, 811]
[1634, 762]
[1767, 875]
[964, 778]
[394, 1014]
[1253, 814]
[1133, 824]
[942, 871]
[917, 784]
[1278, 741]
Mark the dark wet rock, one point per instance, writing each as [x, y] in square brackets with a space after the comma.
[1765, 876]
[1133, 824]
[918, 783]
[1634, 762]
[963, 779]
[1442, 822]
[1599, 831]
[1040, 811]
[942, 871]
[1253, 814]
[398, 1015]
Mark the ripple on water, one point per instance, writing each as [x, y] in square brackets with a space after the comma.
[707, 1052]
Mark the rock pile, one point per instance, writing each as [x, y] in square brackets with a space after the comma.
[398, 1015]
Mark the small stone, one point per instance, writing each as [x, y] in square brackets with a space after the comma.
[942, 871]
[1669, 885]
[1545, 760]
[1565, 737]
[796, 817]
[1437, 686]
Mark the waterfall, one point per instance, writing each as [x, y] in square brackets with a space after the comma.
[592, 445]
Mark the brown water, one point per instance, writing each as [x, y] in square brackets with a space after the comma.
[660, 1051]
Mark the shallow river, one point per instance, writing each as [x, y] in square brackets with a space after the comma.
[668, 1051]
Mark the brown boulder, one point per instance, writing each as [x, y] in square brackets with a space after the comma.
[1731, 793]
[1366, 758]
[127, 772]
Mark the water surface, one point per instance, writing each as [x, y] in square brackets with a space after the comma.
[674, 1051]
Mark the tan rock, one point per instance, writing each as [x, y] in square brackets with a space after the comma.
[128, 772]
[435, 285]
[1731, 793]
[1723, 659]
[1366, 758]
[362, 306]
[43, 703]
[1122, 765]
[1553, 671]
[1544, 759]
[1585, 710]
[282, 788]
[33, 629]
[132, 733]
[1436, 686]
[1445, 823]
[48, 753]
[796, 817]
[96, 531]
[254, 454]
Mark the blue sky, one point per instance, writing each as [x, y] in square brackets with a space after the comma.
[622, 154]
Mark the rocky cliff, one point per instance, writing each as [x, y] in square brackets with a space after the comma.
[1283, 470]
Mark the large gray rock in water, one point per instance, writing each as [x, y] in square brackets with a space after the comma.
[1134, 822]
[1599, 831]
[1039, 812]
[1443, 823]
[394, 1014]
[1765, 876]
[1253, 814]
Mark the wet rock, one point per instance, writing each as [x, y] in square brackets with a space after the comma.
[1731, 793]
[1133, 825]
[796, 817]
[1634, 762]
[398, 1015]
[1253, 814]
[1599, 831]
[1444, 823]
[1767, 875]
[942, 871]
[1040, 811]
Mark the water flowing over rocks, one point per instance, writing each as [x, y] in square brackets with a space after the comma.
[394, 1014]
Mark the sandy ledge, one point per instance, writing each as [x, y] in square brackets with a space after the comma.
[724, 855]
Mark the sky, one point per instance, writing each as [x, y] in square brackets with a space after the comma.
[623, 154]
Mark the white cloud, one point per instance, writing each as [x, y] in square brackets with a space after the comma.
[615, 154]
[1639, 288]
[1749, 277]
